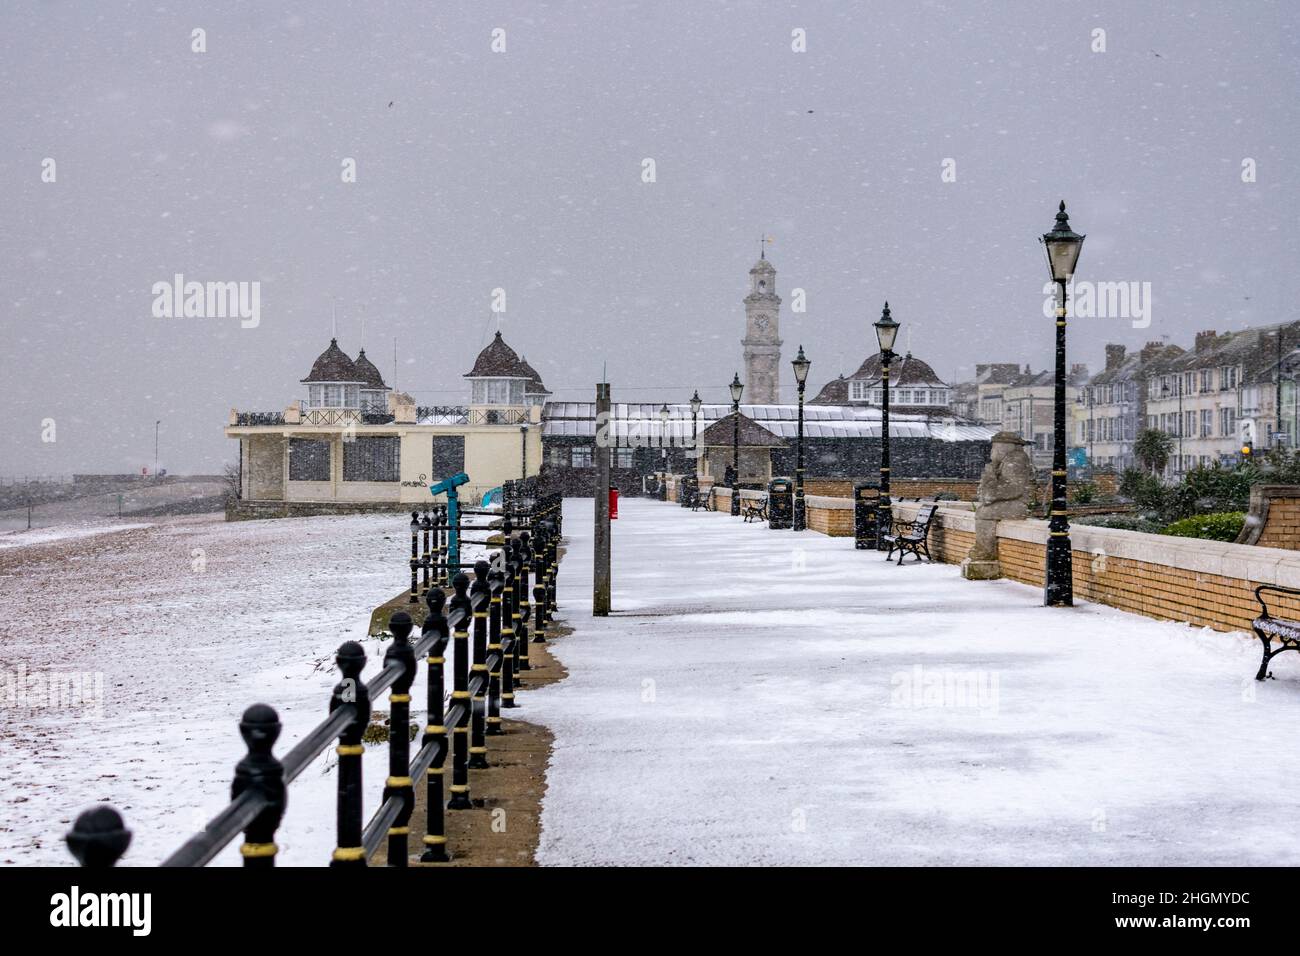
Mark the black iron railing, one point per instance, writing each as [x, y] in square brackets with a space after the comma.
[463, 415]
[494, 606]
[259, 418]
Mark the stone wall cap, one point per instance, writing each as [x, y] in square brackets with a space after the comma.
[828, 502]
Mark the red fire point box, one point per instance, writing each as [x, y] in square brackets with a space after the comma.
[613, 503]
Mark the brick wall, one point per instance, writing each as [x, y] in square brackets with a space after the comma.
[831, 516]
[1274, 517]
[1204, 583]
[963, 488]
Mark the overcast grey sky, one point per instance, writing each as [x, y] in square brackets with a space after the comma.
[523, 170]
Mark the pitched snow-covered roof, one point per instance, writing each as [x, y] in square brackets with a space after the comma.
[534, 384]
[751, 434]
[333, 365]
[498, 360]
[369, 374]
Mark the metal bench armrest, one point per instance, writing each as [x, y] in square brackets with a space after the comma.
[1276, 589]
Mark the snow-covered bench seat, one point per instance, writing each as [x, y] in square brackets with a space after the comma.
[1285, 631]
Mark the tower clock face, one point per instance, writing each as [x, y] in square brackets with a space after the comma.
[761, 322]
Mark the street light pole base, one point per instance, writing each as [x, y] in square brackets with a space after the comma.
[1058, 586]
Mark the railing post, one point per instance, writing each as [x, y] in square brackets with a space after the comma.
[514, 572]
[415, 556]
[98, 838]
[539, 596]
[496, 582]
[461, 612]
[399, 782]
[426, 525]
[260, 771]
[525, 609]
[552, 565]
[351, 658]
[479, 599]
[509, 646]
[435, 731]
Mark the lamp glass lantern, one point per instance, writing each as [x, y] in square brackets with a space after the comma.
[736, 389]
[1062, 246]
[886, 330]
[696, 403]
[801, 366]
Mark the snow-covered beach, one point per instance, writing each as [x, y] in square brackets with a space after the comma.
[189, 620]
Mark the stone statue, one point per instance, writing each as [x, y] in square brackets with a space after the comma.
[1004, 491]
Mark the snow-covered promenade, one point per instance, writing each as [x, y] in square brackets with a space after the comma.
[764, 697]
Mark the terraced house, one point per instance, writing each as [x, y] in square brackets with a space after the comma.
[1230, 390]
[1112, 407]
[355, 444]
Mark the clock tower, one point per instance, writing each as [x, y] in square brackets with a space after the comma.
[761, 342]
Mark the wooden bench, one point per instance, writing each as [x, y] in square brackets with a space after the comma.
[754, 509]
[1285, 632]
[911, 537]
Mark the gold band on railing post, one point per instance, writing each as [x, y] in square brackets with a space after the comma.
[480, 597]
[435, 732]
[399, 784]
[350, 691]
[461, 614]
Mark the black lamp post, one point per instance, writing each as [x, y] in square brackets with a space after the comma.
[523, 452]
[664, 442]
[1062, 245]
[801, 366]
[695, 414]
[736, 389]
[886, 333]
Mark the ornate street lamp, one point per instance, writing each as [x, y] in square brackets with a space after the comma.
[523, 452]
[1062, 246]
[801, 366]
[664, 442]
[695, 414]
[886, 333]
[736, 389]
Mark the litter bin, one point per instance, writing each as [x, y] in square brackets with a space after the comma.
[866, 508]
[613, 503]
[780, 504]
[687, 487]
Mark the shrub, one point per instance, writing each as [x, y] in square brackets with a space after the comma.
[1223, 526]
[1209, 490]
[1121, 522]
[1085, 492]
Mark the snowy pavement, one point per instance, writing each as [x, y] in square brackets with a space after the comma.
[764, 697]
